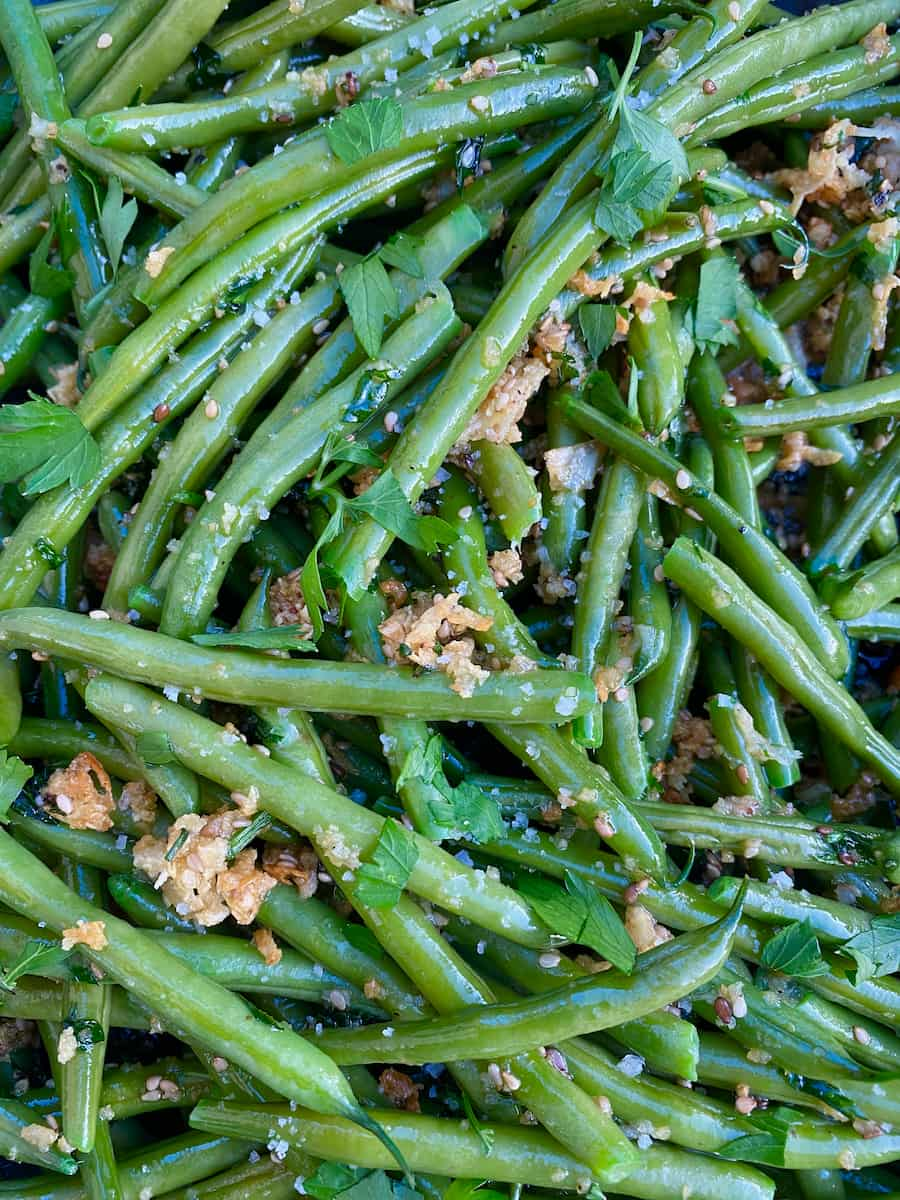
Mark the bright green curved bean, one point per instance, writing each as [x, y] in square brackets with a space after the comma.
[778, 581]
[435, 875]
[727, 600]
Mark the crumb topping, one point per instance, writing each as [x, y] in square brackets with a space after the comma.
[82, 794]
[85, 933]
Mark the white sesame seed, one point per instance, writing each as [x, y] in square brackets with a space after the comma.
[211, 408]
[591, 76]
[682, 480]
[104, 41]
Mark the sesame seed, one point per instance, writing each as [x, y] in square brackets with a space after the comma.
[682, 480]
[104, 41]
[161, 412]
[709, 87]
[97, 614]
[734, 10]
[591, 76]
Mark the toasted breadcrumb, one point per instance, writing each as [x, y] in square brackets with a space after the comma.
[573, 468]
[42, 1136]
[66, 1045]
[602, 289]
[858, 799]
[243, 886]
[481, 68]
[506, 567]
[334, 846]
[156, 260]
[796, 450]
[418, 631]
[457, 661]
[399, 1090]
[65, 391]
[643, 296]
[140, 800]
[82, 794]
[295, 864]
[693, 738]
[643, 930]
[85, 933]
[197, 881]
[287, 604]
[883, 233]
[830, 174]
[504, 406]
[881, 294]
[264, 941]
[876, 44]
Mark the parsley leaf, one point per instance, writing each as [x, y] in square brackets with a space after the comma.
[634, 182]
[794, 951]
[465, 810]
[310, 577]
[278, 637]
[365, 128]
[598, 324]
[116, 220]
[329, 1179]
[402, 252]
[765, 1148]
[380, 882]
[370, 299]
[716, 304]
[155, 749]
[876, 950]
[639, 131]
[45, 279]
[47, 444]
[35, 958]
[386, 503]
[14, 774]
[580, 914]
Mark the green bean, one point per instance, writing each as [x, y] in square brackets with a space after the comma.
[508, 486]
[137, 174]
[653, 346]
[829, 77]
[724, 1064]
[465, 559]
[718, 591]
[760, 697]
[667, 1042]
[246, 676]
[367, 24]
[777, 580]
[197, 1007]
[436, 875]
[565, 511]
[175, 1162]
[309, 165]
[858, 327]
[518, 1155]
[207, 434]
[101, 850]
[811, 1147]
[99, 1170]
[144, 349]
[874, 497]
[816, 410]
[881, 625]
[15, 1118]
[272, 28]
[23, 334]
[80, 1080]
[602, 569]
[870, 587]
[862, 108]
[581, 1007]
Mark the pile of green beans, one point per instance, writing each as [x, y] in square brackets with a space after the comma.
[449, 600]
